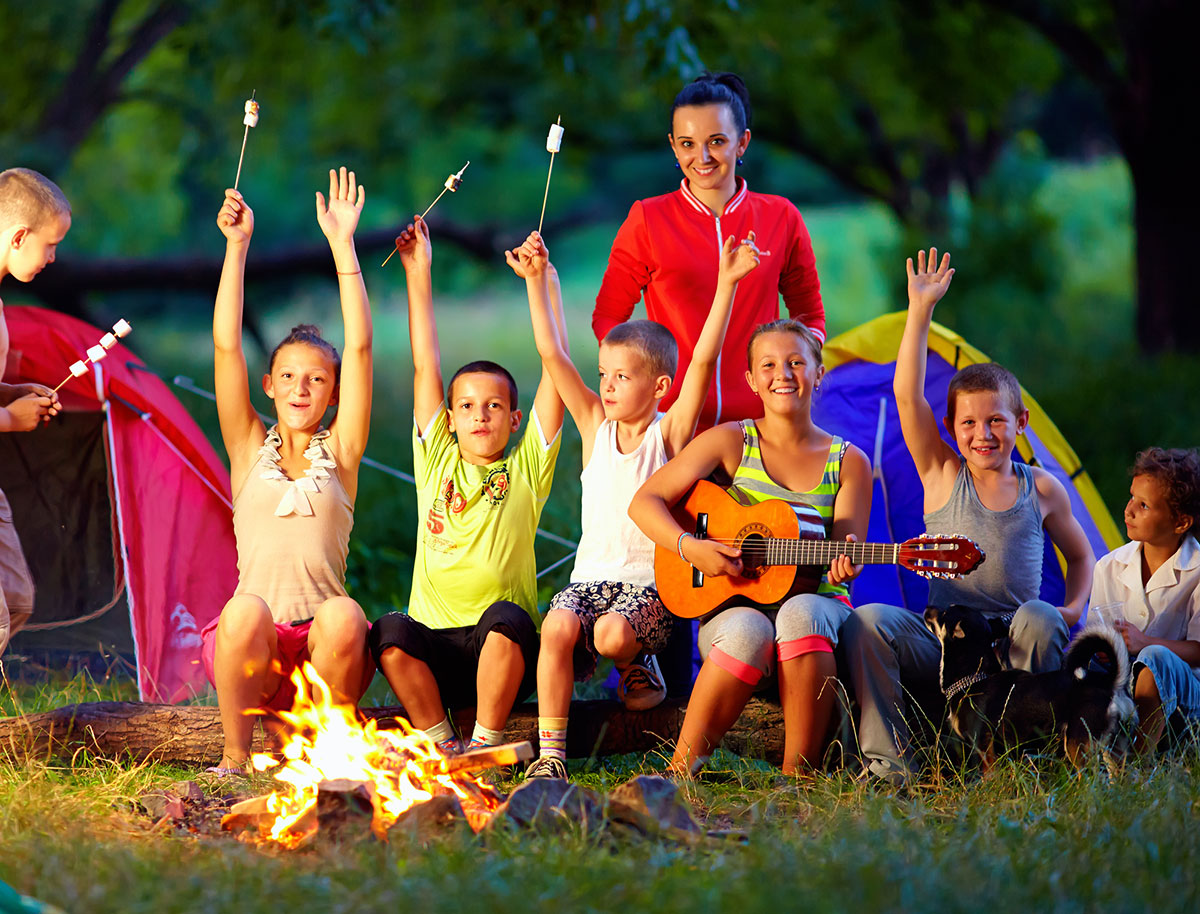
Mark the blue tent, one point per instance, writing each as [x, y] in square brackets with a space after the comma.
[856, 402]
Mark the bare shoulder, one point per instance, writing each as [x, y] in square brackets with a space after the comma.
[1052, 494]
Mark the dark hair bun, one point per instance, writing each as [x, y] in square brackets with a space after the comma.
[716, 89]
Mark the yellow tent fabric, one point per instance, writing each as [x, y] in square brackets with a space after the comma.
[878, 341]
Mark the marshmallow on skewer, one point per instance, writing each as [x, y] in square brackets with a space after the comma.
[251, 118]
[553, 145]
[451, 184]
[78, 369]
[122, 328]
[96, 353]
[108, 341]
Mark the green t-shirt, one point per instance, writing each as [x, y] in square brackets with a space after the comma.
[477, 524]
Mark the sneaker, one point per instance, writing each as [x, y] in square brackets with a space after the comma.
[451, 745]
[548, 766]
[641, 685]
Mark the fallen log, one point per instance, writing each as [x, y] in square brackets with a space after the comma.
[192, 735]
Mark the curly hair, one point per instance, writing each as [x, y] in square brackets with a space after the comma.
[1178, 470]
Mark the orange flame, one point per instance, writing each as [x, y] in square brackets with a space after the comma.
[327, 742]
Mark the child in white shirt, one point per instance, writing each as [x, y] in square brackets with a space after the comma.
[1148, 589]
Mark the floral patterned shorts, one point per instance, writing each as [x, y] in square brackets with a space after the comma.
[639, 606]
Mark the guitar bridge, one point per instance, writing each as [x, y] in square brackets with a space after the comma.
[701, 533]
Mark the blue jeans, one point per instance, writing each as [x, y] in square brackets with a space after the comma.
[1178, 686]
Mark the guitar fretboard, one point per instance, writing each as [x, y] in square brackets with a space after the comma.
[822, 552]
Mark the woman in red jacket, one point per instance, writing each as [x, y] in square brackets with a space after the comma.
[669, 246]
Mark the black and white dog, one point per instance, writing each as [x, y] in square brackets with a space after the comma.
[994, 710]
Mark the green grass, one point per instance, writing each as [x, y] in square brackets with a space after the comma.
[1032, 837]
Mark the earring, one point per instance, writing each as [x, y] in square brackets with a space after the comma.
[676, 164]
[740, 162]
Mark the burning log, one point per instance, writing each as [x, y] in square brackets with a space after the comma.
[191, 734]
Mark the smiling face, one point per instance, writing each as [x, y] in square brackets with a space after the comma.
[303, 385]
[784, 371]
[707, 144]
[482, 416]
[1148, 514]
[628, 388]
[29, 251]
[985, 428]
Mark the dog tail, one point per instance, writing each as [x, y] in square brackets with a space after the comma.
[1099, 638]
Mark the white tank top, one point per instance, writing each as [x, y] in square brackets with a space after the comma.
[612, 548]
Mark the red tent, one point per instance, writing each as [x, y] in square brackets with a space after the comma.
[119, 502]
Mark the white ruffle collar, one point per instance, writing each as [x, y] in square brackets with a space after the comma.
[295, 495]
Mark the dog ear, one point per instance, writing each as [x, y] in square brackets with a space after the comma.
[998, 626]
[933, 619]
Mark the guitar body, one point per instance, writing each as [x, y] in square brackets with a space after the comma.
[710, 512]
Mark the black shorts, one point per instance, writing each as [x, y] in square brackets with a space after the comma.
[452, 654]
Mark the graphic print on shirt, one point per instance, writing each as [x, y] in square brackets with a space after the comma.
[495, 485]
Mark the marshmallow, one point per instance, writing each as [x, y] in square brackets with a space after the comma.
[554, 139]
[78, 369]
[122, 328]
[251, 118]
[108, 341]
[96, 353]
[452, 183]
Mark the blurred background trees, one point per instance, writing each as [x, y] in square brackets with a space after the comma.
[1043, 142]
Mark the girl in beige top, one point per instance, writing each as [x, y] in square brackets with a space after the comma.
[293, 487]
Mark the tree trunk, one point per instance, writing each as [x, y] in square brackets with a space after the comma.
[191, 734]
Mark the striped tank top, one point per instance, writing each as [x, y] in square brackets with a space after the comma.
[752, 484]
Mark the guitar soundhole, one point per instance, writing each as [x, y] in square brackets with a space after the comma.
[753, 542]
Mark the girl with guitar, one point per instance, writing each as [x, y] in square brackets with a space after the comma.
[783, 456]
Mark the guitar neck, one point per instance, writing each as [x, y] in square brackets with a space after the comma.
[822, 552]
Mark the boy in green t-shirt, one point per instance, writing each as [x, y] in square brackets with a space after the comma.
[469, 637]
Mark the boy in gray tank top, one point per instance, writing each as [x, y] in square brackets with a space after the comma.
[978, 491]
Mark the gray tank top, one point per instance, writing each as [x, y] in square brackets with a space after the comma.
[1011, 539]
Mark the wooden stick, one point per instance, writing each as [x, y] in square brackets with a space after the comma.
[546, 195]
[489, 757]
[245, 136]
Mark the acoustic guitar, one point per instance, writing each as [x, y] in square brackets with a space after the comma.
[776, 561]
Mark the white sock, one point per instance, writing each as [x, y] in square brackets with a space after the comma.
[441, 731]
[485, 736]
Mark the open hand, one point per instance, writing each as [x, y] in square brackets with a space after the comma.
[841, 569]
[236, 219]
[713, 558]
[346, 198]
[929, 281]
[738, 258]
[414, 247]
[531, 259]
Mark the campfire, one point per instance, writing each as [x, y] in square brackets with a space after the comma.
[335, 767]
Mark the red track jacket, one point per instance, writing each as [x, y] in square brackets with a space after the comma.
[669, 248]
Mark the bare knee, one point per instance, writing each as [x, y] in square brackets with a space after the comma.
[339, 625]
[560, 631]
[244, 623]
[497, 643]
[614, 636]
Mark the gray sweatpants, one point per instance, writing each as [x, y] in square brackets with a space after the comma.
[891, 655]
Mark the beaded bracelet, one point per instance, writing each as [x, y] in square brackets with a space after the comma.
[679, 545]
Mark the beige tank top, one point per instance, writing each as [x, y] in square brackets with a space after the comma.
[293, 535]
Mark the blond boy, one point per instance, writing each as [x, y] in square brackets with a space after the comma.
[34, 218]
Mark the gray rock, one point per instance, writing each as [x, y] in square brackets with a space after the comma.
[546, 803]
[653, 806]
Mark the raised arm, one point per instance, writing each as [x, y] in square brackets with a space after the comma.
[933, 457]
[532, 261]
[241, 429]
[679, 424]
[416, 256]
[1067, 534]
[338, 220]
[651, 507]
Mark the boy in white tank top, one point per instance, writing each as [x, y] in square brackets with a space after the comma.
[610, 608]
